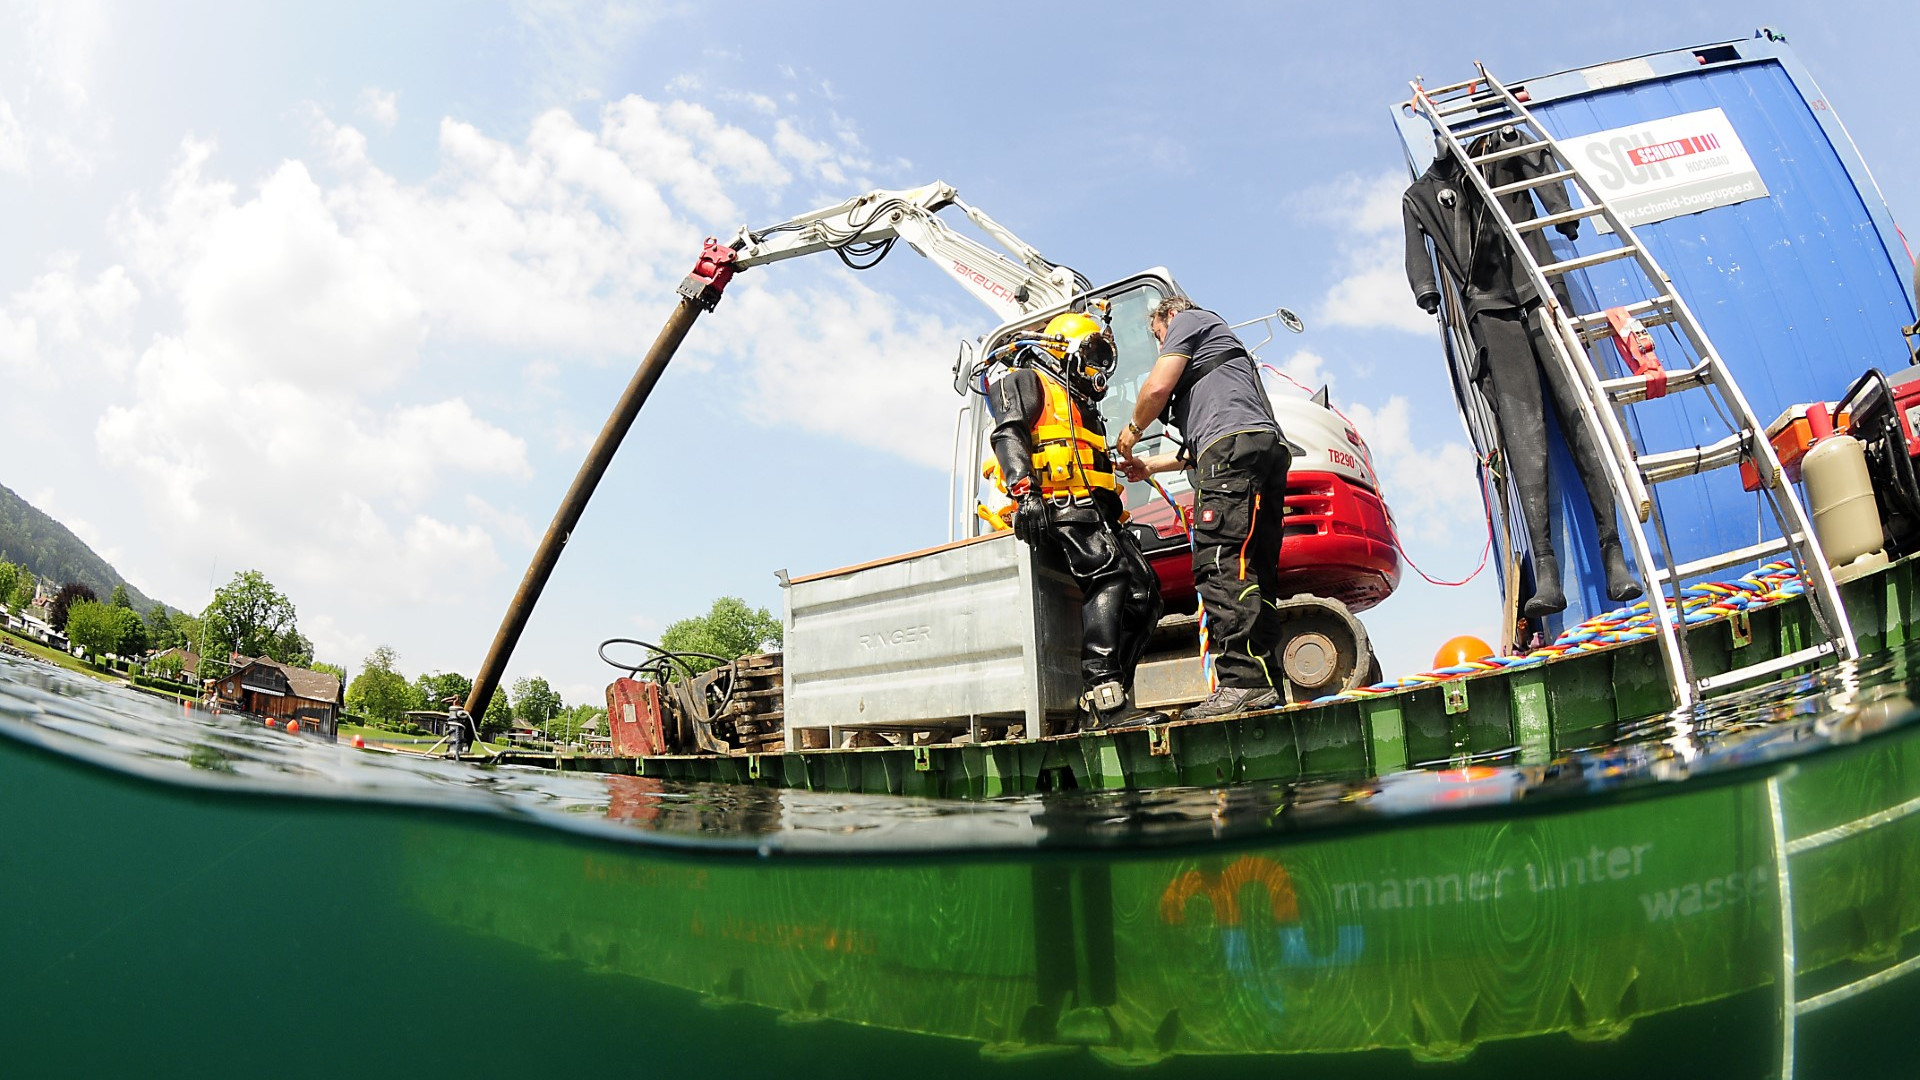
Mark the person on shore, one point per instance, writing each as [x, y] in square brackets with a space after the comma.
[1051, 445]
[1205, 384]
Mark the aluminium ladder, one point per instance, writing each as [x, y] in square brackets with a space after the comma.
[1462, 113]
[1792, 1005]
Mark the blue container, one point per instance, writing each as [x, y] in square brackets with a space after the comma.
[1800, 285]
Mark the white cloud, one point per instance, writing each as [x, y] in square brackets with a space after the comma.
[1433, 490]
[849, 363]
[13, 140]
[1367, 205]
[759, 103]
[1306, 369]
[1371, 291]
[63, 320]
[47, 64]
[578, 43]
[380, 106]
[350, 376]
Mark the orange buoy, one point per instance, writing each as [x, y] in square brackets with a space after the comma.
[270, 721]
[1463, 649]
[293, 727]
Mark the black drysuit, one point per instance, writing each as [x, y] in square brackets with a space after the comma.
[1120, 595]
[1511, 358]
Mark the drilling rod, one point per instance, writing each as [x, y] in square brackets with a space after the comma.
[699, 292]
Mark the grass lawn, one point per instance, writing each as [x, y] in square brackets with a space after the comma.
[55, 656]
[395, 739]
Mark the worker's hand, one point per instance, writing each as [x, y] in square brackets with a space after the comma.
[1031, 518]
[1129, 436]
[1132, 468]
[1569, 229]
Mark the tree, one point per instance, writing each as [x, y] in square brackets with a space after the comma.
[188, 631]
[380, 692]
[10, 574]
[93, 626]
[293, 648]
[499, 716]
[535, 702]
[334, 670]
[249, 616]
[133, 632]
[436, 688]
[119, 598]
[170, 666]
[63, 601]
[162, 632]
[569, 724]
[23, 591]
[730, 629]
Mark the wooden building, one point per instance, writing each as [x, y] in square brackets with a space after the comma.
[269, 688]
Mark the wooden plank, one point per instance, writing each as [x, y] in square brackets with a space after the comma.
[936, 549]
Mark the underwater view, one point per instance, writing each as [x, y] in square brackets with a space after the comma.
[196, 894]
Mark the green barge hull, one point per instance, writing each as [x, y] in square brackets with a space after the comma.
[1567, 703]
[1431, 939]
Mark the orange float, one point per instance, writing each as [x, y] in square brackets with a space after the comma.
[293, 727]
[1461, 650]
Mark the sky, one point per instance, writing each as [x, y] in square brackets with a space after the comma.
[343, 291]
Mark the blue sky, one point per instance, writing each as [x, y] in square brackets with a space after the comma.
[342, 291]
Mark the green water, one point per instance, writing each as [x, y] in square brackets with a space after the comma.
[179, 913]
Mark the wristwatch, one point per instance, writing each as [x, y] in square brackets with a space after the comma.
[1135, 428]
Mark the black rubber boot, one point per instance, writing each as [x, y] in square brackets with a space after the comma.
[1109, 706]
[1621, 586]
[1547, 597]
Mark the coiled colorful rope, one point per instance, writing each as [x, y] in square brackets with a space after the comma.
[1698, 603]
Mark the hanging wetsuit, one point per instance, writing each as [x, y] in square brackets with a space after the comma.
[1052, 451]
[1511, 357]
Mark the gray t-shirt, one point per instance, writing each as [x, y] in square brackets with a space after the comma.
[1225, 400]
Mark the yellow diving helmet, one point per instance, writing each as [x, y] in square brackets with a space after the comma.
[1086, 346]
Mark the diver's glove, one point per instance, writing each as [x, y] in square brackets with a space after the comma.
[1032, 517]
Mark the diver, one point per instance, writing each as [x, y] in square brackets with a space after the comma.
[1044, 391]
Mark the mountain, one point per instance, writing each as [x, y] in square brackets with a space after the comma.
[53, 555]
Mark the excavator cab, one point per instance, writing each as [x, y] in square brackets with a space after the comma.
[1340, 542]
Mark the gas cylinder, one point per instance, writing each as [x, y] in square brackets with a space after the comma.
[1845, 519]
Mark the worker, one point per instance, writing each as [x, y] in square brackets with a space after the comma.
[1044, 392]
[1206, 386]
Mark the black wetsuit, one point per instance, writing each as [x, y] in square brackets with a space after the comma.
[1120, 595]
[1511, 357]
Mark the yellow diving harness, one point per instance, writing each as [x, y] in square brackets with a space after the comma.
[1070, 460]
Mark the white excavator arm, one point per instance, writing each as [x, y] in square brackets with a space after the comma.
[862, 230]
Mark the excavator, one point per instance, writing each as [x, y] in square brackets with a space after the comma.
[1340, 554]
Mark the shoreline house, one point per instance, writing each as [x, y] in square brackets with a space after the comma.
[269, 688]
[189, 662]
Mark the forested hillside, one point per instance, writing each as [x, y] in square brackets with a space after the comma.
[52, 554]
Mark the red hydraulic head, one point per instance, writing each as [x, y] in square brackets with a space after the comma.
[710, 275]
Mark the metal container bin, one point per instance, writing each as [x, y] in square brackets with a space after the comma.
[977, 631]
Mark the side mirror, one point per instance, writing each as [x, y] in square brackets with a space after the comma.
[963, 367]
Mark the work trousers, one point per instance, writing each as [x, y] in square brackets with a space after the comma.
[1120, 595]
[1514, 359]
[1240, 486]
